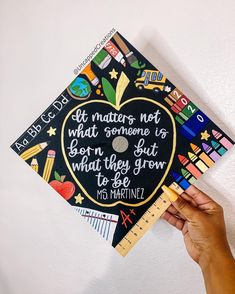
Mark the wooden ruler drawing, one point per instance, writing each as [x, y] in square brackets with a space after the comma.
[152, 214]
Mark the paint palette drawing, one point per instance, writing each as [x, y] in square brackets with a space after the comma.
[115, 135]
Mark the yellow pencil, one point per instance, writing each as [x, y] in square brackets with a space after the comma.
[34, 165]
[32, 151]
[48, 165]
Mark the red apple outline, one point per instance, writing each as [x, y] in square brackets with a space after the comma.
[65, 189]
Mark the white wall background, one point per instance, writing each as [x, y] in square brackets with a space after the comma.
[45, 248]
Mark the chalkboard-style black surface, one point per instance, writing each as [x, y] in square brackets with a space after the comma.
[115, 135]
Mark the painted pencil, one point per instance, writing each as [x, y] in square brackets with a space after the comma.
[34, 165]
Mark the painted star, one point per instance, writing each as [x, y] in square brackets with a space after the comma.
[78, 198]
[113, 74]
[205, 135]
[52, 131]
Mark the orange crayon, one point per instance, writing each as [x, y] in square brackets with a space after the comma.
[175, 95]
[168, 101]
[189, 166]
[202, 155]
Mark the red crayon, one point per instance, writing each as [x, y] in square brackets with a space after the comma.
[189, 166]
[182, 102]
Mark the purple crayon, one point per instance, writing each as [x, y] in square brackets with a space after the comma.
[213, 155]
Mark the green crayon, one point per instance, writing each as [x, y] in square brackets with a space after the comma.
[188, 176]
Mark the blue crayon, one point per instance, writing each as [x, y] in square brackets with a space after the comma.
[180, 180]
[194, 125]
[220, 149]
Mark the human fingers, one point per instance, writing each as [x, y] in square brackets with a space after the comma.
[203, 201]
[182, 205]
[189, 199]
[175, 212]
[197, 195]
[172, 220]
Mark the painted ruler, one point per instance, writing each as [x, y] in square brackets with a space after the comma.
[146, 221]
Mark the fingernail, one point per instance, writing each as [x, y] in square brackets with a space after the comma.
[173, 196]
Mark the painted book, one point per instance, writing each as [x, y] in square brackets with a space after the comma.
[114, 136]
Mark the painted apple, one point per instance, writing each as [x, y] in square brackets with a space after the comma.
[119, 151]
[65, 189]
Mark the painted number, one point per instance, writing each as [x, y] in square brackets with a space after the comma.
[190, 108]
[200, 118]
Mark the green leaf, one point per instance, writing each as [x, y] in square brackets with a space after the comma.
[57, 176]
[109, 91]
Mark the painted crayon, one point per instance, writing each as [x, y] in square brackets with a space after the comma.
[200, 164]
[174, 108]
[202, 155]
[194, 125]
[179, 105]
[183, 115]
[224, 141]
[188, 176]
[179, 120]
[168, 101]
[182, 102]
[175, 95]
[189, 166]
[212, 153]
[187, 132]
[220, 149]
[190, 109]
[180, 180]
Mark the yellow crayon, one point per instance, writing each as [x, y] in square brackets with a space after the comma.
[200, 164]
[202, 155]
[48, 165]
[34, 165]
[32, 151]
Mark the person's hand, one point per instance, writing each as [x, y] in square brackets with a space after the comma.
[201, 221]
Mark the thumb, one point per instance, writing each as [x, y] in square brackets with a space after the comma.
[183, 206]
